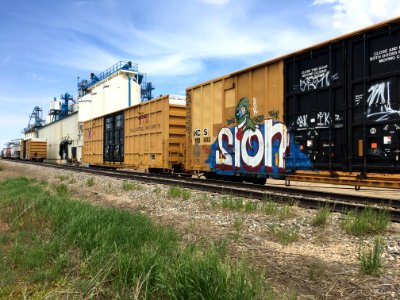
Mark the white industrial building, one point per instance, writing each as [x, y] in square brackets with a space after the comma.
[114, 89]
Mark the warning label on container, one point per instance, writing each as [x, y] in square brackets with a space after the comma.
[386, 55]
[314, 78]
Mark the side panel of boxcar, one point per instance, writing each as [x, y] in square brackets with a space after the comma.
[235, 124]
[36, 149]
[93, 141]
[155, 134]
[147, 136]
[342, 102]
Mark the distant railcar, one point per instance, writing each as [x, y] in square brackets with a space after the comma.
[147, 136]
[12, 151]
[34, 149]
[333, 107]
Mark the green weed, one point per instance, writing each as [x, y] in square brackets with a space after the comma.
[231, 203]
[63, 177]
[157, 190]
[269, 207]
[284, 234]
[90, 181]
[366, 221]
[61, 189]
[250, 207]
[128, 186]
[285, 212]
[178, 192]
[321, 217]
[370, 260]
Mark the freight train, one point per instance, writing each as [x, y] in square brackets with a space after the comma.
[33, 149]
[327, 113]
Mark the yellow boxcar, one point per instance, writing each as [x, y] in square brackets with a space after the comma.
[212, 106]
[93, 141]
[147, 136]
[34, 149]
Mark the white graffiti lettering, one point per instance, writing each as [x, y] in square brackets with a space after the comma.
[379, 106]
[324, 118]
[252, 161]
[244, 151]
[302, 121]
[255, 111]
[317, 77]
[222, 156]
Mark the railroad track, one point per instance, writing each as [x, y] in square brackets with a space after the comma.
[304, 198]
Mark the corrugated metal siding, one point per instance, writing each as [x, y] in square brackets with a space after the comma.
[154, 136]
[35, 149]
[212, 104]
[93, 141]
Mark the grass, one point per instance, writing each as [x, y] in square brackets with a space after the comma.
[370, 260]
[60, 247]
[269, 207]
[157, 190]
[321, 217]
[286, 212]
[128, 186]
[284, 234]
[178, 192]
[366, 221]
[90, 181]
[62, 177]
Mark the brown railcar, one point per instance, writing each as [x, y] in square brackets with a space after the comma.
[147, 136]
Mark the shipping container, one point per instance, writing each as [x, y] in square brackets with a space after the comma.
[34, 149]
[333, 106]
[148, 136]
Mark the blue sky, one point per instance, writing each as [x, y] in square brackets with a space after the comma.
[45, 45]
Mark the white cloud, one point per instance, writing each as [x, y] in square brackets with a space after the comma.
[215, 2]
[348, 15]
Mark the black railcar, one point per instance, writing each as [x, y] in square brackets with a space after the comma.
[342, 101]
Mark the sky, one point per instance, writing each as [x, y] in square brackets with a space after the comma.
[46, 45]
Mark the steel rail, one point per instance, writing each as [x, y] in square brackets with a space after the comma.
[304, 198]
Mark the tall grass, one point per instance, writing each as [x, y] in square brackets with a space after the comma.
[178, 192]
[128, 186]
[90, 181]
[370, 260]
[366, 221]
[58, 246]
[284, 234]
[321, 217]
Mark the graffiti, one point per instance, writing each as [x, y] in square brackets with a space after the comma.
[358, 99]
[302, 121]
[253, 146]
[274, 114]
[255, 111]
[317, 77]
[243, 119]
[324, 118]
[379, 106]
